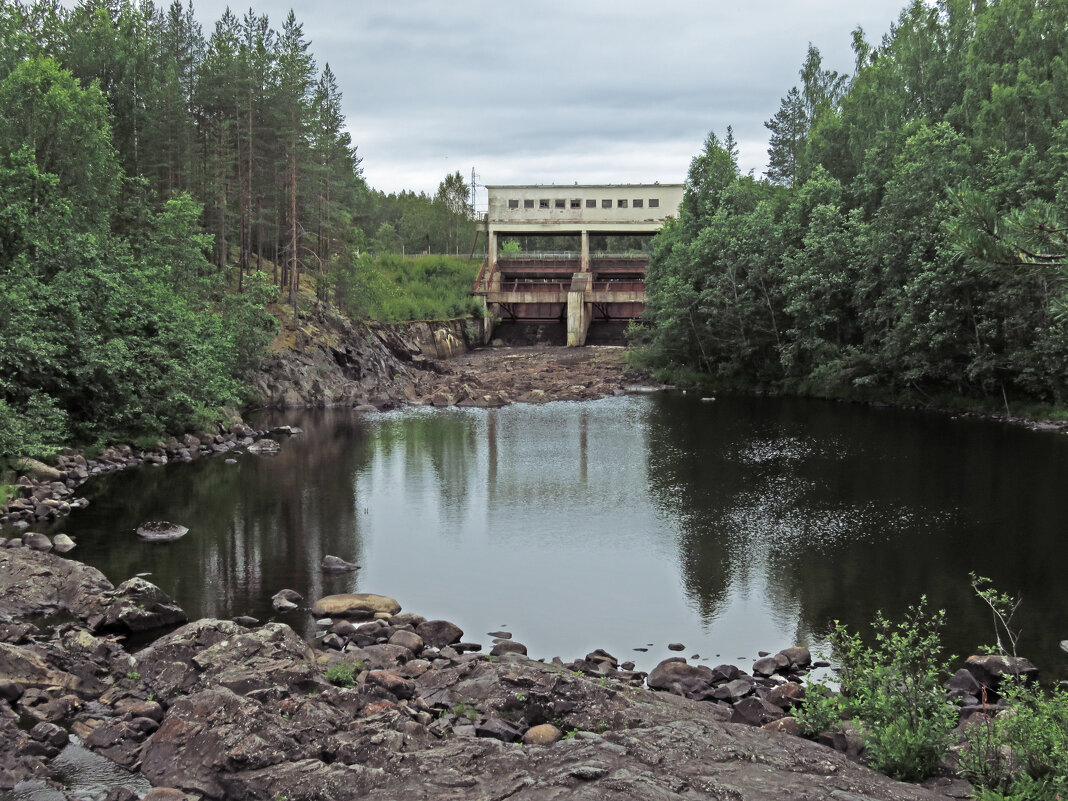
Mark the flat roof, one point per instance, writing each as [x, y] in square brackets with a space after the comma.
[572, 186]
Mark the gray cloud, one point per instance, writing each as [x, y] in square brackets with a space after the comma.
[564, 90]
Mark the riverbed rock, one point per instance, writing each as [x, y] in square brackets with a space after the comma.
[36, 470]
[439, 633]
[335, 564]
[264, 447]
[161, 531]
[680, 678]
[37, 583]
[62, 543]
[355, 605]
[542, 734]
[135, 605]
[990, 670]
[508, 647]
[798, 657]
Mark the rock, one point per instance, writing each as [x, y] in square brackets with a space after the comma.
[754, 711]
[135, 605]
[990, 669]
[507, 635]
[676, 676]
[786, 695]
[734, 690]
[542, 734]
[161, 531]
[246, 621]
[498, 729]
[392, 682]
[167, 794]
[963, 683]
[335, 564]
[264, 447]
[770, 665]
[38, 583]
[798, 657]
[37, 470]
[38, 542]
[508, 647]
[62, 543]
[439, 633]
[676, 646]
[787, 725]
[289, 595]
[407, 639]
[358, 605]
[50, 733]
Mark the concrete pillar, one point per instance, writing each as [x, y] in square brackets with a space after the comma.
[492, 252]
[578, 312]
[585, 252]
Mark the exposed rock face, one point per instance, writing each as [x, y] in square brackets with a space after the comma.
[389, 737]
[335, 564]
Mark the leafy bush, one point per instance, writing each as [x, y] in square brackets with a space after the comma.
[342, 674]
[819, 712]
[895, 691]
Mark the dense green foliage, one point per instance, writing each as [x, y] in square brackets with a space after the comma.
[912, 243]
[158, 187]
[395, 288]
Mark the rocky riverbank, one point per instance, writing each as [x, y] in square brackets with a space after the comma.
[386, 704]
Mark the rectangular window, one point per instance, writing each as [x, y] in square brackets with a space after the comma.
[561, 203]
[513, 204]
[621, 204]
[576, 204]
[654, 202]
[606, 204]
[637, 202]
[591, 203]
[543, 204]
[528, 204]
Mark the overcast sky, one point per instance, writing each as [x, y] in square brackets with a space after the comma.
[563, 91]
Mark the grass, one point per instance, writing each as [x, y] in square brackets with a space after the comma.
[7, 491]
[392, 288]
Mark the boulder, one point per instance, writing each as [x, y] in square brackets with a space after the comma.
[357, 605]
[990, 669]
[508, 647]
[677, 677]
[36, 541]
[798, 658]
[264, 447]
[62, 543]
[335, 564]
[407, 639]
[542, 734]
[439, 633]
[37, 470]
[770, 665]
[37, 583]
[135, 605]
[161, 531]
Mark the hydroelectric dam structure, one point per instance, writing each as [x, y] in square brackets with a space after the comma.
[575, 289]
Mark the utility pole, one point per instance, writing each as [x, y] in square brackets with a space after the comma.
[474, 177]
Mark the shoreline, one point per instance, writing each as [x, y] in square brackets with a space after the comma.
[387, 704]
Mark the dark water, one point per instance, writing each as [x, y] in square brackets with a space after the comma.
[735, 526]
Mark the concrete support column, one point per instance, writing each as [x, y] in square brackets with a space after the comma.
[492, 251]
[585, 252]
[578, 313]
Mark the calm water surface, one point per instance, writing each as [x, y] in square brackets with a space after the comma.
[735, 526]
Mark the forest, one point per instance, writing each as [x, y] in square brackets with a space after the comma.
[909, 243]
[160, 185]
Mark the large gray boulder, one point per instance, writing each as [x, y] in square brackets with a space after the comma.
[135, 605]
[678, 677]
[38, 583]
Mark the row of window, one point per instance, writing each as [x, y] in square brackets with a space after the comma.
[591, 203]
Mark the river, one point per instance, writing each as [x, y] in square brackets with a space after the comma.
[733, 526]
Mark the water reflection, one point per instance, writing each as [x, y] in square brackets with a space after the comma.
[732, 526]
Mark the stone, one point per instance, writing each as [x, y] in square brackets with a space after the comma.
[39, 583]
[786, 695]
[734, 690]
[161, 531]
[37, 470]
[754, 711]
[264, 447]
[508, 647]
[289, 595]
[392, 682]
[786, 725]
[38, 542]
[798, 657]
[166, 794]
[990, 669]
[355, 605]
[676, 646]
[50, 733]
[62, 543]
[407, 639]
[507, 635]
[963, 683]
[335, 564]
[135, 605]
[246, 620]
[676, 676]
[770, 665]
[498, 729]
[542, 734]
[439, 633]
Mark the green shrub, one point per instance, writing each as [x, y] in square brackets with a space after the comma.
[819, 712]
[895, 692]
[343, 674]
